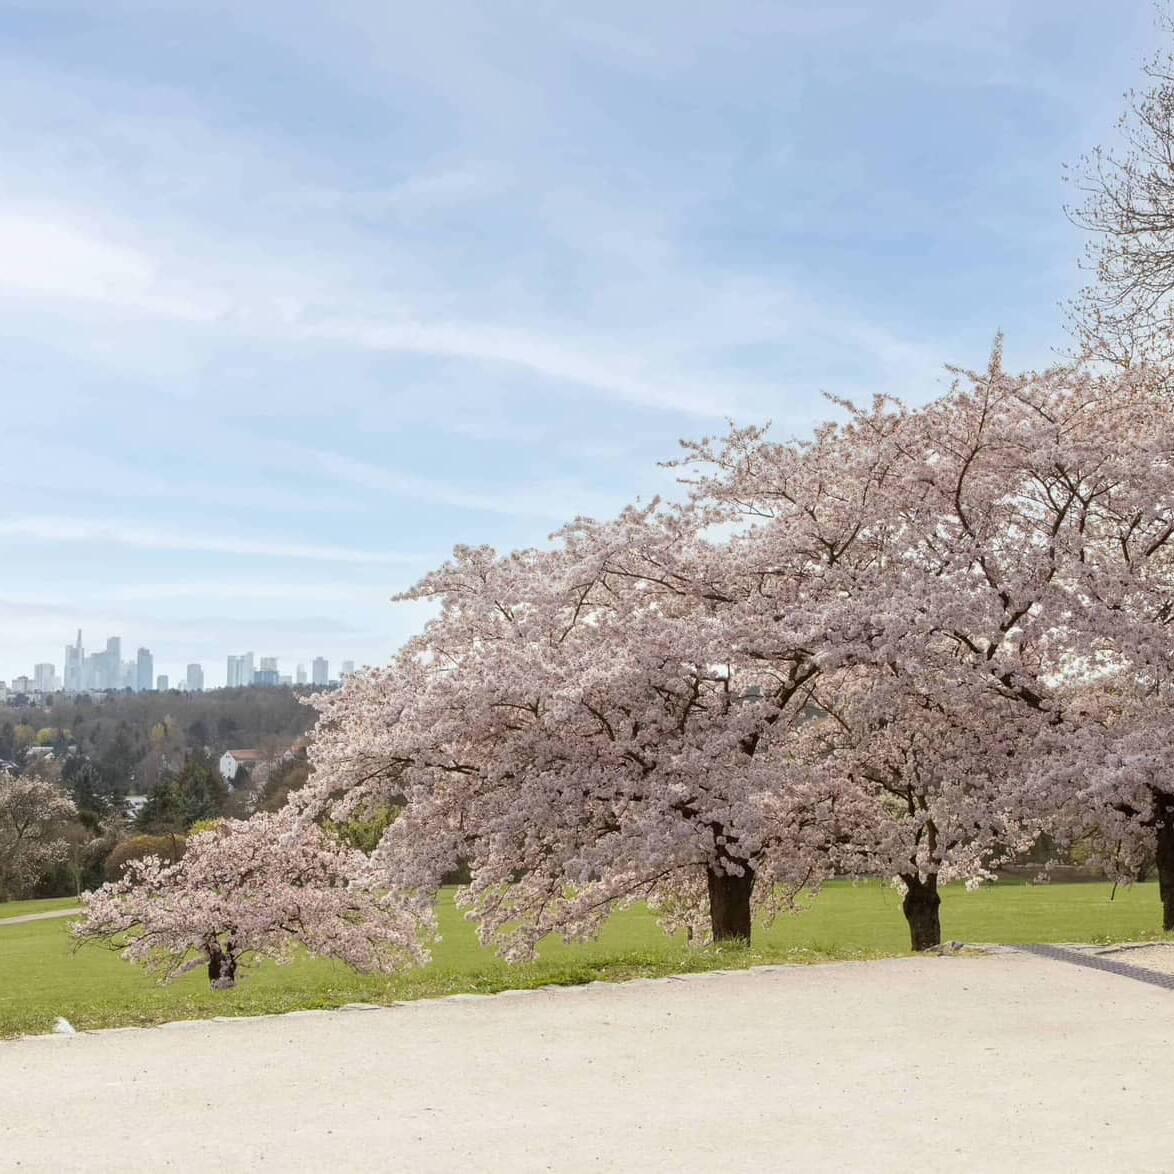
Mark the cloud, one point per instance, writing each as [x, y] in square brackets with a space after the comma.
[61, 260]
[427, 191]
[51, 529]
[539, 499]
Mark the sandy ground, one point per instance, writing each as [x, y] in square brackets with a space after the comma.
[968, 1063]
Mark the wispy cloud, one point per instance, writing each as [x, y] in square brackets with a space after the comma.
[423, 193]
[538, 499]
[57, 529]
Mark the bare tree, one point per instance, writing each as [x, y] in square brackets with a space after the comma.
[1125, 315]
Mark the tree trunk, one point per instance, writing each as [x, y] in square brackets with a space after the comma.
[1164, 826]
[920, 907]
[221, 967]
[729, 904]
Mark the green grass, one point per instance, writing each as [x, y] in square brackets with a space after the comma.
[47, 905]
[40, 978]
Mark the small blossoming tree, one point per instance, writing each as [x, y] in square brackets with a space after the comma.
[255, 887]
[32, 812]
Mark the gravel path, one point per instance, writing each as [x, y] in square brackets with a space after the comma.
[24, 918]
[969, 1063]
[1159, 957]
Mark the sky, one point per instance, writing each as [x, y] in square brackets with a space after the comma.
[294, 297]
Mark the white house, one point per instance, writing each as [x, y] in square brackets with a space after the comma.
[232, 760]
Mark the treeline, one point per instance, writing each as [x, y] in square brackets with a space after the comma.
[131, 740]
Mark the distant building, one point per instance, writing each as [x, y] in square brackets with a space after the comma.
[232, 760]
[162, 682]
[195, 678]
[301, 675]
[75, 656]
[285, 680]
[320, 670]
[265, 677]
[348, 667]
[144, 670]
[240, 670]
[269, 664]
[22, 685]
[45, 678]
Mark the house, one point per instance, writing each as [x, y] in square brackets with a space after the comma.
[232, 760]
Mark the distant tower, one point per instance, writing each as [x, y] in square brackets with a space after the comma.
[195, 678]
[75, 658]
[301, 675]
[114, 662]
[144, 670]
[321, 671]
[348, 667]
[162, 683]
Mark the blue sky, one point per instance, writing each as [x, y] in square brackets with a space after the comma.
[293, 297]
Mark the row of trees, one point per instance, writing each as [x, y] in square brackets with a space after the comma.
[906, 648]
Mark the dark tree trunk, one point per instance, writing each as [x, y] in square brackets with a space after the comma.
[1164, 827]
[221, 966]
[729, 904]
[920, 907]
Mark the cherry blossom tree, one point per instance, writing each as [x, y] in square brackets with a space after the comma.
[619, 718]
[255, 887]
[32, 814]
[1106, 764]
[579, 747]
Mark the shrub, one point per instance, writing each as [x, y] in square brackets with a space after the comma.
[168, 848]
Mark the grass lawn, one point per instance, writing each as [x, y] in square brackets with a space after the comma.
[40, 978]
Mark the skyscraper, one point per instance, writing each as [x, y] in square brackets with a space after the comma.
[195, 678]
[240, 670]
[45, 678]
[320, 670]
[162, 683]
[348, 667]
[144, 670]
[75, 656]
[113, 662]
[301, 675]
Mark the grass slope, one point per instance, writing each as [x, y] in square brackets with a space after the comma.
[40, 978]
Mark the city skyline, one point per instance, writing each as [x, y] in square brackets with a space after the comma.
[105, 669]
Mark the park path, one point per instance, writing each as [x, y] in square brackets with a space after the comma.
[52, 915]
[1006, 1061]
